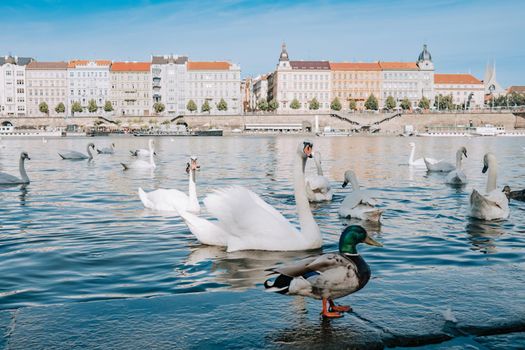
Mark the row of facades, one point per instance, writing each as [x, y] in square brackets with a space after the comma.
[135, 88]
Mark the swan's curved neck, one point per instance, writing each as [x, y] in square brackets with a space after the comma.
[89, 152]
[493, 174]
[309, 227]
[151, 161]
[412, 154]
[354, 182]
[459, 156]
[193, 204]
[318, 166]
[21, 167]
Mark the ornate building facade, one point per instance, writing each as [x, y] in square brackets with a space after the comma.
[131, 87]
[46, 82]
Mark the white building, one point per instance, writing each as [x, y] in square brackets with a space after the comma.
[88, 80]
[13, 86]
[46, 82]
[169, 83]
[259, 90]
[301, 80]
[411, 80]
[213, 81]
[465, 89]
[131, 87]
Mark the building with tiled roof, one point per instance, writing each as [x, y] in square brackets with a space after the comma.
[130, 91]
[302, 81]
[465, 89]
[519, 89]
[355, 81]
[88, 80]
[13, 86]
[46, 82]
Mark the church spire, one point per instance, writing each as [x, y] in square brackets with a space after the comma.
[284, 53]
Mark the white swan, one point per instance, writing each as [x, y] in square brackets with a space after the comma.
[142, 164]
[440, 166]
[141, 152]
[107, 150]
[246, 222]
[418, 162]
[318, 187]
[494, 205]
[174, 200]
[358, 204]
[457, 176]
[74, 155]
[6, 179]
[44, 140]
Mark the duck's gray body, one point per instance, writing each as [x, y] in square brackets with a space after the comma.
[327, 276]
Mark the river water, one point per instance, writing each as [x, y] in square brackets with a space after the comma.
[79, 232]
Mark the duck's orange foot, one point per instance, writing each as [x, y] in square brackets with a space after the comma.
[329, 314]
[340, 308]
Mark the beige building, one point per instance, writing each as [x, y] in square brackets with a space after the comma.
[465, 89]
[131, 86]
[46, 82]
[355, 81]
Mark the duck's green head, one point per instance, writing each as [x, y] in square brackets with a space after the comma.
[352, 236]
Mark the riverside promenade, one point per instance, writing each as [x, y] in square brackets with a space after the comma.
[428, 310]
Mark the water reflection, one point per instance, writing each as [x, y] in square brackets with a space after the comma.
[483, 234]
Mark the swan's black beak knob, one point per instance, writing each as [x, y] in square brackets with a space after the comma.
[345, 183]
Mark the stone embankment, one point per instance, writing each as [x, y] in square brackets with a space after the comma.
[394, 123]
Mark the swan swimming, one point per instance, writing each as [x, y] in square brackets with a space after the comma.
[74, 155]
[107, 150]
[142, 164]
[174, 200]
[6, 179]
[418, 162]
[440, 166]
[358, 204]
[141, 152]
[457, 176]
[246, 222]
[494, 205]
[318, 187]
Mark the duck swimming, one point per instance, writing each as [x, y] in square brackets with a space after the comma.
[327, 276]
[516, 195]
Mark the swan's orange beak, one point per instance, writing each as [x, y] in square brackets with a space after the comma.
[308, 149]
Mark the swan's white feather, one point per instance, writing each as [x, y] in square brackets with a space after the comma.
[359, 204]
[6, 179]
[164, 199]
[206, 231]
[318, 188]
[138, 164]
[440, 166]
[72, 155]
[252, 223]
[456, 177]
[493, 206]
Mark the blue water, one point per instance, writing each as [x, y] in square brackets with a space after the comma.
[79, 232]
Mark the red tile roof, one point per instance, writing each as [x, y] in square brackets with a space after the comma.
[208, 65]
[46, 65]
[354, 66]
[517, 88]
[74, 63]
[455, 79]
[314, 65]
[130, 66]
[398, 66]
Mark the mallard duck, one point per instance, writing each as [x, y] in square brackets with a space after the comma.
[517, 195]
[328, 276]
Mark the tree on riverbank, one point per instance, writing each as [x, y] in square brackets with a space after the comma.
[60, 108]
[76, 107]
[295, 104]
[43, 108]
[444, 102]
[390, 103]
[314, 104]
[191, 106]
[424, 103]
[262, 105]
[108, 107]
[352, 105]
[92, 106]
[273, 105]
[335, 105]
[405, 104]
[371, 103]
[222, 105]
[205, 107]
[158, 107]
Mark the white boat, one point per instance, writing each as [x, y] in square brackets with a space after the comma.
[328, 131]
[10, 131]
[489, 130]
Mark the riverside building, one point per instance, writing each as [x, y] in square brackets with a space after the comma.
[88, 80]
[13, 86]
[131, 87]
[46, 82]
[169, 77]
[356, 81]
[465, 89]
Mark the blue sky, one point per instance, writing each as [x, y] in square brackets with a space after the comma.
[462, 35]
